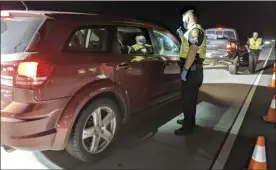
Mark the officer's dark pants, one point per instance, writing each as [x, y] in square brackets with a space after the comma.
[255, 55]
[190, 91]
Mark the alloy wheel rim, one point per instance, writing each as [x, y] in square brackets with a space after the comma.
[99, 130]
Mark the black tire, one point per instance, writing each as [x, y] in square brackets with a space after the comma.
[75, 145]
[234, 67]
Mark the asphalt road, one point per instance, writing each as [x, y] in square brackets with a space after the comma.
[148, 141]
[253, 126]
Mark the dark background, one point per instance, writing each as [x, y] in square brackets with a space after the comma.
[246, 17]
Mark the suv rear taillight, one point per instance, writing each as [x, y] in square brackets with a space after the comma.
[32, 74]
[26, 74]
[5, 15]
[230, 46]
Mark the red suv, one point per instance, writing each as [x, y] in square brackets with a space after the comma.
[68, 82]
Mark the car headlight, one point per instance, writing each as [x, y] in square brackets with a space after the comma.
[267, 42]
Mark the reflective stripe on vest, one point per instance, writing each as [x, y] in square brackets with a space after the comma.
[255, 45]
[185, 43]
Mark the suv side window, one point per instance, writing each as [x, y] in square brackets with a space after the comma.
[168, 46]
[88, 39]
[126, 36]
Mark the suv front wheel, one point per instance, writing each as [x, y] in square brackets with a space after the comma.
[95, 130]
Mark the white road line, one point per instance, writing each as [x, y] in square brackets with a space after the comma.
[225, 151]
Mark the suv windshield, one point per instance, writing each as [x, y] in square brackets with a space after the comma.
[16, 33]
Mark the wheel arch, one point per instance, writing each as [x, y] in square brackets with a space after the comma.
[81, 99]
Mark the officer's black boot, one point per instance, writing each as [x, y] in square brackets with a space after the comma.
[187, 127]
[184, 130]
[180, 121]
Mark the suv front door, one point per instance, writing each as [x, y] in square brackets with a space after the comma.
[168, 49]
[139, 74]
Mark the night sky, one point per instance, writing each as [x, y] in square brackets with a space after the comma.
[246, 17]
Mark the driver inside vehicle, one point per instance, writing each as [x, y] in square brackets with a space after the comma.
[141, 46]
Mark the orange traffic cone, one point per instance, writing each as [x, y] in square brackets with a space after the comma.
[273, 81]
[271, 115]
[258, 159]
[274, 68]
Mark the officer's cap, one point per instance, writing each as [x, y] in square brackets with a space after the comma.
[188, 13]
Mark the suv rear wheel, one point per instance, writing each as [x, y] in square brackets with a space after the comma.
[95, 130]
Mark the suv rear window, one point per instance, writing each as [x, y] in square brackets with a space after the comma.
[221, 35]
[17, 33]
[90, 39]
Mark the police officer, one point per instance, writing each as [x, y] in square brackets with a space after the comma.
[254, 43]
[141, 46]
[253, 47]
[192, 55]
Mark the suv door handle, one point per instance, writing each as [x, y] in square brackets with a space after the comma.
[123, 66]
[166, 63]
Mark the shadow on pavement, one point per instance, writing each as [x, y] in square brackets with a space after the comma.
[148, 140]
[270, 64]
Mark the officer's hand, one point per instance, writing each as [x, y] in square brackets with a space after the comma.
[183, 75]
[179, 32]
[261, 47]
[249, 51]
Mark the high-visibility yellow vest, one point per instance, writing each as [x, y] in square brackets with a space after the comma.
[185, 43]
[138, 46]
[255, 44]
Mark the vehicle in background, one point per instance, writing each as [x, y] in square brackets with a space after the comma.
[67, 81]
[267, 42]
[223, 46]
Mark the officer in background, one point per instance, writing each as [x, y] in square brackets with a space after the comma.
[192, 55]
[141, 46]
[254, 44]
